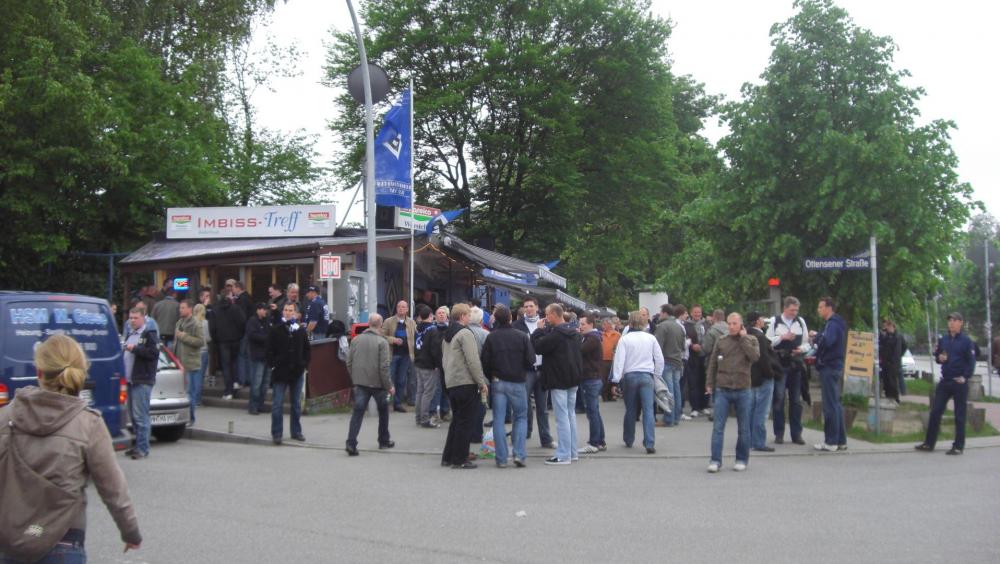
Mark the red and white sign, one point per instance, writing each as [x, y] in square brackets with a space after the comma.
[329, 267]
[251, 222]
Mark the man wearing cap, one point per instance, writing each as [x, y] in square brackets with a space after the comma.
[956, 354]
[400, 330]
[317, 313]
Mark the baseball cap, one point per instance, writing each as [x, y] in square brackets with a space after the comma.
[261, 305]
[752, 318]
[312, 289]
[956, 316]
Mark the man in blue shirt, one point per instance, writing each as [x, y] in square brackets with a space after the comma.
[831, 348]
[317, 313]
[956, 355]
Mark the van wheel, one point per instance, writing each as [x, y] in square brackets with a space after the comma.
[168, 434]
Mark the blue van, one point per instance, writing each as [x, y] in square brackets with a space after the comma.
[28, 318]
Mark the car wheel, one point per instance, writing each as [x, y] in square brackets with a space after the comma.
[168, 434]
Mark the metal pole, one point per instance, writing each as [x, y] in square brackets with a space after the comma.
[372, 291]
[413, 193]
[878, 400]
[989, 320]
[111, 278]
[930, 338]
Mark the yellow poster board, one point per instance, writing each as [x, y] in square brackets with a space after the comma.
[860, 361]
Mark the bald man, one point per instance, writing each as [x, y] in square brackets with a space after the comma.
[400, 330]
[729, 383]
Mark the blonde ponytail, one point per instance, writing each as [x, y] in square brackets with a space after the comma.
[62, 365]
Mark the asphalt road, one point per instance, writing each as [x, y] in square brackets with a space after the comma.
[212, 502]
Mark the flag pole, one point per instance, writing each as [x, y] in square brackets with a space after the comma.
[413, 213]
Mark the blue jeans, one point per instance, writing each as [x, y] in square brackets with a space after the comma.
[440, 401]
[948, 389]
[399, 372]
[260, 376]
[637, 391]
[723, 398]
[277, 403]
[196, 379]
[590, 390]
[61, 553]
[762, 397]
[791, 386]
[362, 395]
[834, 432]
[564, 404]
[510, 394]
[533, 384]
[672, 378]
[139, 395]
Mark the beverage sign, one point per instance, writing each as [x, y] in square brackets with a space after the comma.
[417, 217]
[247, 222]
[329, 267]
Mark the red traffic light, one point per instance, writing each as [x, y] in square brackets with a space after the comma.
[774, 282]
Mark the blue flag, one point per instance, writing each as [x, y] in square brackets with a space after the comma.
[442, 219]
[393, 147]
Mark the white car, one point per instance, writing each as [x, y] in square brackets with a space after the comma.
[909, 365]
[169, 405]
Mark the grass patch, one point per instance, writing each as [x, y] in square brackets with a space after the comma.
[923, 388]
[906, 409]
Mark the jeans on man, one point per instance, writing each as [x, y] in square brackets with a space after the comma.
[510, 395]
[399, 371]
[229, 358]
[260, 376]
[672, 378]
[139, 396]
[362, 395]
[834, 432]
[948, 390]
[591, 392]
[61, 553]
[533, 384]
[440, 401]
[427, 386]
[564, 404]
[637, 391]
[277, 403]
[195, 379]
[790, 387]
[761, 404]
[741, 399]
[411, 385]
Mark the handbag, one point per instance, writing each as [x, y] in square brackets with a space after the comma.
[36, 512]
[664, 398]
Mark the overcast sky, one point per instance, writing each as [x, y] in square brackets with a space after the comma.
[948, 47]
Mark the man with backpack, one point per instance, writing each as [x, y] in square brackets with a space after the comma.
[789, 339]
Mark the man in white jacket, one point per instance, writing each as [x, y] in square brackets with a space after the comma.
[637, 358]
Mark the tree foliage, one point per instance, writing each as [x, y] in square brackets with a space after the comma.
[559, 124]
[825, 152]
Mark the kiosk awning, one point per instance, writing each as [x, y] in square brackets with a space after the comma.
[501, 262]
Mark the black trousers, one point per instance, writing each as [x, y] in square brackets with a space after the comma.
[959, 393]
[695, 369]
[464, 405]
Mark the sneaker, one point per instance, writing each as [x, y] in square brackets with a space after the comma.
[236, 385]
[687, 417]
[798, 440]
[924, 447]
[429, 425]
[825, 447]
[227, 396]
[602, 448]
[694, 413]
[519, 462]
[650, 450]
[501, 464]
[554, 461]
[713, 467]
[300, 437]
[589, 449]
[765, 449]
[464, 466]
[389, 444]
[780, 440]
[351, 450]
[841, 448]
[954, 451]
[140, 455]
[739, 466]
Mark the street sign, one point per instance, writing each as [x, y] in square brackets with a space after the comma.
[329, 267]
[837, 263]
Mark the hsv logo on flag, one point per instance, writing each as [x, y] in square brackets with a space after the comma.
[393, 147]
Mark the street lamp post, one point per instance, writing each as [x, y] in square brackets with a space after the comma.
[988, 325]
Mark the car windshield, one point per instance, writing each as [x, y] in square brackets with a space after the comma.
[165, 361]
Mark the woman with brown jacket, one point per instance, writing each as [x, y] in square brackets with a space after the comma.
[67, 443]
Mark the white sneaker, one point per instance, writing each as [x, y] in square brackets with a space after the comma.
[694, 413]
[556, 461]
[236, 386]
[687, 417]
[706, 411]
[826, 447]
[589, 449]
[739, 467]
[227, 397]
[713, 467]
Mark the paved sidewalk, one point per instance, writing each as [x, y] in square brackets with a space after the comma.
[689, 440]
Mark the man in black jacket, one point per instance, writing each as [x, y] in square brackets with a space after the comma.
[891, 347]
[288, 354]
[527, 324]
[257, 331]
[507, 357]
[427, 364]
[763, 373]
[142, 354]
[562, 369]
[230, 324]
[592, 351]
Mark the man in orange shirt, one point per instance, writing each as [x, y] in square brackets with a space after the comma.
[609, 340]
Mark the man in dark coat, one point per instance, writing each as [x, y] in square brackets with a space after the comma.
[288, 356]
[558, 343]
[891, 347]
[763, 374]
[230, 324]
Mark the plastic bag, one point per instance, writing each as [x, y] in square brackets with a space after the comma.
[489, 447]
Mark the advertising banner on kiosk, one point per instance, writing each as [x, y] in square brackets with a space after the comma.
[247, 222]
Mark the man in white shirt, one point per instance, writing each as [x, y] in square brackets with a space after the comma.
[789, 338]
[533, 382]
[637, 358]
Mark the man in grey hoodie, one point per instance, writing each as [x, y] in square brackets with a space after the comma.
[671, 336]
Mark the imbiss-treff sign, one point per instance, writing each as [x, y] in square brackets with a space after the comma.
[245, 222]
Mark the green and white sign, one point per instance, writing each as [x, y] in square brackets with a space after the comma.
[417, 217]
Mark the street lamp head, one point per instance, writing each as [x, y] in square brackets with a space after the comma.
[379, 80]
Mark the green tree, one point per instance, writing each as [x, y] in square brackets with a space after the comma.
[825, 152]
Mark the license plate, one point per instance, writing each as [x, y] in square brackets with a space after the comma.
[163, 418]
[86, 396]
